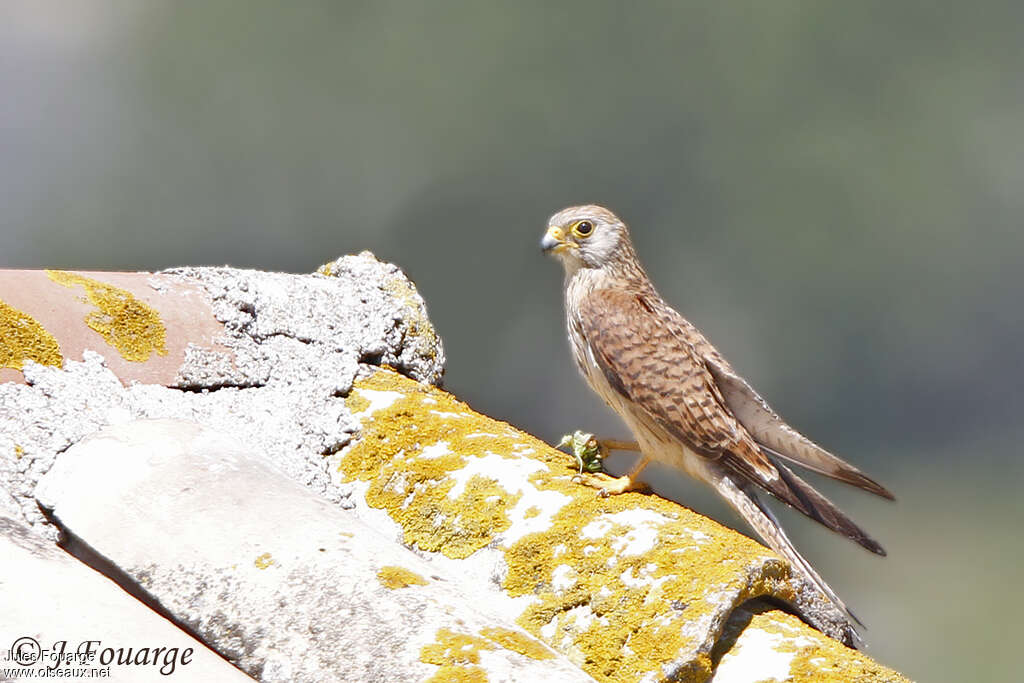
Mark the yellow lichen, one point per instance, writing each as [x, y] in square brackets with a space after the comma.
[640, 607]
[131, 326]
[19, 452]
[454, 648]
[398, 577]
[517, 642]
[413, 486]
[634, 624]
[22, 338]
[264, 561]
[420, 327]
[454, 673]
[819, 658]
[356, 403]
[531, 511]
[458, 653]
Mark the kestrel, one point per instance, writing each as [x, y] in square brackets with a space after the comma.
[683, 402]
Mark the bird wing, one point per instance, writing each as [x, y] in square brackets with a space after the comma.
[772, 432]
[656, 360]
[768, 429]
[662, 374]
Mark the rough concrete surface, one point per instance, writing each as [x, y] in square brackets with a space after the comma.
[291, 347]
[630, 587]
[284, 584]
[312, 329]
[47, 597]
[774, 646]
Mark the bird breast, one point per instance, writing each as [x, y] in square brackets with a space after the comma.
[655, 442]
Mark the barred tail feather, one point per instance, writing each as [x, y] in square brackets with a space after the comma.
[822, 510]
[778, 438]
[745, 501]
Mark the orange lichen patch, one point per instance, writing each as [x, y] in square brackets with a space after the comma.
[264, 561]
[517, 642]
[398, 577]
[22, 338]
[624, 586]
[131, 326]
[817, 658]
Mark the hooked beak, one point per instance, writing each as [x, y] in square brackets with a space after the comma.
[553, 241]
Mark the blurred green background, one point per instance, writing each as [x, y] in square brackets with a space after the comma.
[832, 191]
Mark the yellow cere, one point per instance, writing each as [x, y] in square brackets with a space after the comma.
[264, 561]
[398, 577]
[22, 338]
[131, 326]
[820, 659]
[640, 583]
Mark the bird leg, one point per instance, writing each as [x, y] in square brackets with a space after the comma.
[590, 454]
[608, 445]
[608, 485]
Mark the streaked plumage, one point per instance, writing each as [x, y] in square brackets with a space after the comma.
[682, 400]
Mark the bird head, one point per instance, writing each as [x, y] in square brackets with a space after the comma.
[586, 237]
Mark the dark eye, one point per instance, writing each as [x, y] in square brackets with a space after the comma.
[583, 229]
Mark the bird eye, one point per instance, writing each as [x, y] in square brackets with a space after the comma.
[583, 229]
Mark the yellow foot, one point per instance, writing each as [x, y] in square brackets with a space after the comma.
[607, 485]
[590, 454]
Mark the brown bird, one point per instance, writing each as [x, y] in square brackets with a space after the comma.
[683, 402]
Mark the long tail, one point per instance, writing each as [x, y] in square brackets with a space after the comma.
[745, 501]
[793, 491]
[777, 437]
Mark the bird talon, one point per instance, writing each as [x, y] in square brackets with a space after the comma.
[607, 485]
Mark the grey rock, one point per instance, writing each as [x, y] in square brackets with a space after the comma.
[356, 308]
[61, 406]
[284, 584]
[291, 347]
[49, 598]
